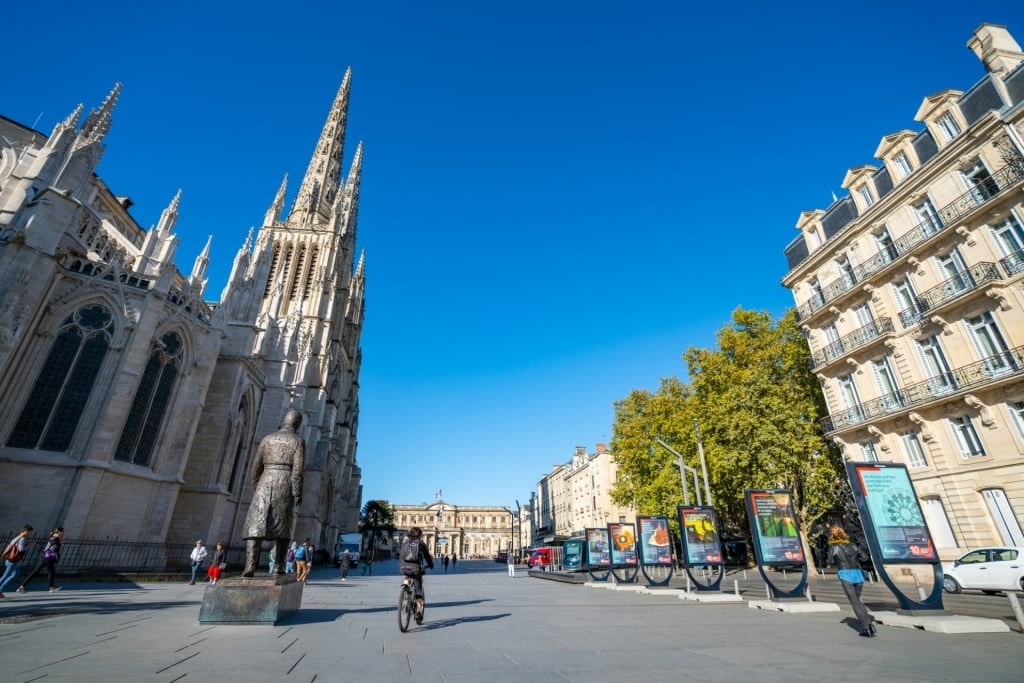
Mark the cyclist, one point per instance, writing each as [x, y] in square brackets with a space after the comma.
[412, 555]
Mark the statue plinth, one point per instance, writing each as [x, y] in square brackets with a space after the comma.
[259, 600]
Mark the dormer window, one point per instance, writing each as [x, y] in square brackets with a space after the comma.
[902, 162]
[865, 195]
[948, 125]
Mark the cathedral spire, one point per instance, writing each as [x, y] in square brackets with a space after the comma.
[274, 212]
[170, 215]
[197, 280]
[98, 122]
[320, 184]
[72, 120]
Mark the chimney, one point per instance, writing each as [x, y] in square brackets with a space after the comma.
[996, 49]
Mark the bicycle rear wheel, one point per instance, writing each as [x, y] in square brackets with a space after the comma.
[406, 605]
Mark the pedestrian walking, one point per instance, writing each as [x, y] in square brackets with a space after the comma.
[271, 556]
[367, 566]
[218, 564]
[302, 561]
[455, 558]
[344, 565]
[847, 557]
[199, 554]
[289, 559]
[49, 558]
[13, 552]
[444, 561]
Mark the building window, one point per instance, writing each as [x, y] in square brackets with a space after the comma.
[867, 451]
[884, 243]
[979, 181]
[940, 379]
[948, 125]
[1003, 517]
[1009, 235]
[966, 437]
[865, 195]
[927, 217]
[903, 164]
[989, 343]
[51, 414]
[1016, 409]
[915, 453]
[152, 398]
[938, 523]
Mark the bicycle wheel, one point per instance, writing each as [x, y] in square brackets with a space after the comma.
[405, 608]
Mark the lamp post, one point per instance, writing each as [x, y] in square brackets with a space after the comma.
[519, 516]
[683, 469]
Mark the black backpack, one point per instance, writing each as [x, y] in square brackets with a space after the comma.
[411, 551]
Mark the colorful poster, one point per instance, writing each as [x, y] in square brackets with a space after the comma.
[773, 527]
[598, 554]
[701, 543]
[655, 543]
[894, 513]
[623, 538]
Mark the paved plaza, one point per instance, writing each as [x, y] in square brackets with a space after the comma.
[480, 625]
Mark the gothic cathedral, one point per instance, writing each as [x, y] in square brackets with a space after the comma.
[131, 403]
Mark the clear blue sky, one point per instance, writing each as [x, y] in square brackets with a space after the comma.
[558, 197]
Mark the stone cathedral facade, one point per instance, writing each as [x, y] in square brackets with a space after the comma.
[132, 403]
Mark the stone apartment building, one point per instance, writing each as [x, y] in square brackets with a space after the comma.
[577, 495]
[910, 290]
[132, 404]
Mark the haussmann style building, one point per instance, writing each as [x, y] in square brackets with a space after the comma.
[132, 404]
[910, 290]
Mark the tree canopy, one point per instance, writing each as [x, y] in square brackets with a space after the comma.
[377, 523]
[758, 407]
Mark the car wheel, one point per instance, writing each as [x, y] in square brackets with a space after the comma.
[950, 585]
[1022, 583]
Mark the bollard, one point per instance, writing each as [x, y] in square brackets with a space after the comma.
[687, 582]
[1017, 612]
[736, 587]
[784, 573]
[767, 591]
[809, 598]
[744, 574]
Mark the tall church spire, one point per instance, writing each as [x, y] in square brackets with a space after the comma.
[320, 184]
[274, 212]
[98, 122]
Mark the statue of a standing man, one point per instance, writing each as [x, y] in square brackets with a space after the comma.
[277, 473]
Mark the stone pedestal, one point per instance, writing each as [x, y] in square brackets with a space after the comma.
[260, 600]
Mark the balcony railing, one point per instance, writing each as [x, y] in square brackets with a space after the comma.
[991, 369]
[857, 338]
[953, 288]
[1014, 263]
[947, 215]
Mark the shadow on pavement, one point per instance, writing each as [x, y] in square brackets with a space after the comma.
[445, 623]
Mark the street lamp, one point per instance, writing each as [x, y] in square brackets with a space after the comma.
[519, 515]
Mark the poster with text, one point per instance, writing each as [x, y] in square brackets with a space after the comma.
[701, 543]
[655, 543]
[598, 554]
[773, 527]
[894, 512]
[623, 538]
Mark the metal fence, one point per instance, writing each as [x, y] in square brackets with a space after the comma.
[87, 556]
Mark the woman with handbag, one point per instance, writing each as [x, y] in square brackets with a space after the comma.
[847, 557]
[12, 555]
[51, 553]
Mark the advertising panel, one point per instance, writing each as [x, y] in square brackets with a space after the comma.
[773, 526]
[655, 543]
[623, 538]
[701, 543]
[894, 512]
[598, 554]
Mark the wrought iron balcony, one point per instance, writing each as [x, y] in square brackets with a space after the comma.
[1014, 263]
[991, 187]
[953, 288]
[991, 369]
[857, 338]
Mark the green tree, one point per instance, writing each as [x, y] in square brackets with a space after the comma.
[759, 407]
[376, 523]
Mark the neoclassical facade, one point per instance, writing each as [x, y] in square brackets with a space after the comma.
[132, 403]
[469, 531]
[576, 495]
[910, 290]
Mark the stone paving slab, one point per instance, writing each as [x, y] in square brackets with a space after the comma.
[481, 625]
[710, 596]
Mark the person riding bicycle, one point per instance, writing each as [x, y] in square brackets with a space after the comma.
[411, 557]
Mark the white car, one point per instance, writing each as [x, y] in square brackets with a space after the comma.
[986, 569]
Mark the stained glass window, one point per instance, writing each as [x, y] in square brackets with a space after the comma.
[146, 416]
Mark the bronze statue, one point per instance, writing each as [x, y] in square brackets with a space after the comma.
[277, 491]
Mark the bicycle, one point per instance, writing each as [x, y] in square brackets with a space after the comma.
[407, 606]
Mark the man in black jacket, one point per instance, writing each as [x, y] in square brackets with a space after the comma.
[411, 557]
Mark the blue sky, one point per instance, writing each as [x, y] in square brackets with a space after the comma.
[559, 198]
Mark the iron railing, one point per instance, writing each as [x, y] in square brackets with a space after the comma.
[1014, 263]
[991, 369]
[953, 288]
[991, 187]
[859, 337]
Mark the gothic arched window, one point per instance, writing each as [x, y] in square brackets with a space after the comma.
[146, 415]
[51, 414]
